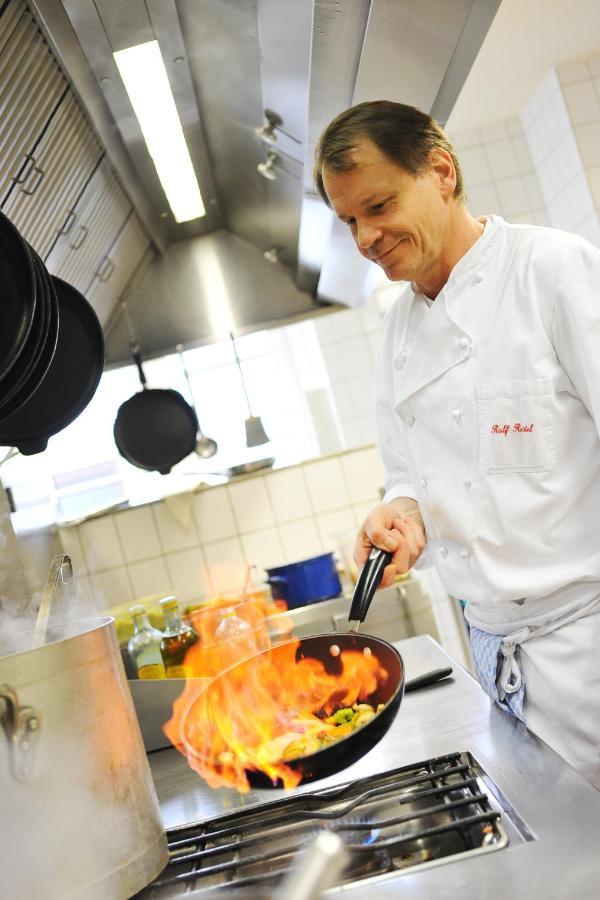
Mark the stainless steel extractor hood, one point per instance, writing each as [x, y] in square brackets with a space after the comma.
[227, 62]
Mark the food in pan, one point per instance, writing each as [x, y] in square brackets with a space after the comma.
[335, 727]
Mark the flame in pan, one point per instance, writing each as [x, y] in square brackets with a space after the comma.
[244, 719]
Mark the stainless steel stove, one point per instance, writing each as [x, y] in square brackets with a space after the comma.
[420, 815]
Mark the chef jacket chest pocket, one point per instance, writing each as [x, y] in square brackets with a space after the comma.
[516, 431]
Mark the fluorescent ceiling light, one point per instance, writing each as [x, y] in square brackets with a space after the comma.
[145, 78]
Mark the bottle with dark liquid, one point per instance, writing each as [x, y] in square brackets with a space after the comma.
[177, 638]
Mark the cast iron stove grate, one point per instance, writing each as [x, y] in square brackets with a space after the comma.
[418, 815]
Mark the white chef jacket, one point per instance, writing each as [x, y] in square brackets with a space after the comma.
[488, 412]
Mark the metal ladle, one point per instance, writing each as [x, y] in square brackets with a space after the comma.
[205, 446]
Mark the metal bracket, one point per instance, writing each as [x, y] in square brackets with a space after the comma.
[21, 726]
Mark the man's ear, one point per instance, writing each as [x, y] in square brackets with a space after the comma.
[442, 166]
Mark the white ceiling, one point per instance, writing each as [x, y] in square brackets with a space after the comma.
[526, 38]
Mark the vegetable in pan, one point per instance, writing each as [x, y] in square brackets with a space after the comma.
[335, 727]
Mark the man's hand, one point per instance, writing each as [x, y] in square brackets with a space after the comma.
[398, 530]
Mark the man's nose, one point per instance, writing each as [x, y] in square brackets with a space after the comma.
[366, 235]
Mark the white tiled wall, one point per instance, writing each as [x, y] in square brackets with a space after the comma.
[499, 172]
[559, 125]
[267, 520]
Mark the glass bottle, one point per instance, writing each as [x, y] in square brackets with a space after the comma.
[144, 646]
[176, 640]
[235, 637]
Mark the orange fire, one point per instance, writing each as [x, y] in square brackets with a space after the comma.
[243, 720]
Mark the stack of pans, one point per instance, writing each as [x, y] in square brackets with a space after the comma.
[51, 347]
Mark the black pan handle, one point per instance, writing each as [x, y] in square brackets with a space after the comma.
[368, 581]
[427, 678]
[134, 349]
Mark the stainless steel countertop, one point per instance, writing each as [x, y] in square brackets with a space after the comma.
[560, 808]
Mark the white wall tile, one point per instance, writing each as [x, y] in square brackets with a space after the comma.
[326, 486]
[214, 515]
[588, 140]
[300, 540]
[251, 504]
[582, 102]
[590, 228]
[226, 565]
[474, 166]
[502, 159]
[137, 534]
[333, 525]
[188, 575]
[594, 64]
[370, 317]
[522, 153]
[342, 399]
[345, 324]
[513, 195]
[150, 577]
[101, 544]
[574, 70]
[514, 127]
[356, 358]
[289, 495]
[469, 137]
[364, 474]
[112, 587]
[361, 393]
[173, 535]
[323, 328]
[71, 544]
[483, 199]
[362, 510]
[333, 362]
[367, 429]
[263, 548]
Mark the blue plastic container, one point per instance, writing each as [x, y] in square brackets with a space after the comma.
[307, 581]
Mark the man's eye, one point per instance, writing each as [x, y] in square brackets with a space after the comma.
[378, 207]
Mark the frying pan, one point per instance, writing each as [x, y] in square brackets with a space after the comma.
[17, 296]
[154, 429]
[71, 379]
[38, 351]
[343, 753]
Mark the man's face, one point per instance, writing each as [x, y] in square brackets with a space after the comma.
[398, 220]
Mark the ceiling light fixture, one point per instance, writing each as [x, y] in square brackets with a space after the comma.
[267, 169]
[266, 132]
[147, 84]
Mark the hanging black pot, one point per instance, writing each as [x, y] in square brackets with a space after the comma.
[154, 429]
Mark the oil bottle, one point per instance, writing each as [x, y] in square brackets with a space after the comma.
[177, 638]
[144, 646]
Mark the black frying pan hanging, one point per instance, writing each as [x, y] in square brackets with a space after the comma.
[71, 379]
[154, 429]
[38, 351]
[341, 754]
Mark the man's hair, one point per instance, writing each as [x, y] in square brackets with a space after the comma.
[403, 133]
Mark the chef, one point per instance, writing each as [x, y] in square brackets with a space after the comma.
[488, 411]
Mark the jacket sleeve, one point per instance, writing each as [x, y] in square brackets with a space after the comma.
[390, 428]
[576, 324]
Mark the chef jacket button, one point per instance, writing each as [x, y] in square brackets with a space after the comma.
[410, 421]
[467, 483]
[478, 278]
[464, 343]
[456, 414]
[399, 363]
[464, 554]
[443, 552]
[423, 482]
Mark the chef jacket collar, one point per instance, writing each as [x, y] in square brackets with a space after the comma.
[472, 261]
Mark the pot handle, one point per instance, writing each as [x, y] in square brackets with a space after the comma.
[367, 583]
[134, 349]
[21, 726]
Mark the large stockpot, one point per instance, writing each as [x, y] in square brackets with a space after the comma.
[78, 808]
